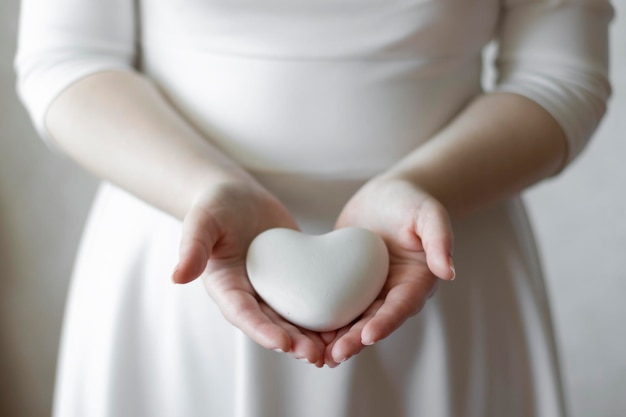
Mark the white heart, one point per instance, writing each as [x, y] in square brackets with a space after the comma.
[321, 282]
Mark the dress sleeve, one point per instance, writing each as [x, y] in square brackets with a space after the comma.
[61, 41]
[555, 52]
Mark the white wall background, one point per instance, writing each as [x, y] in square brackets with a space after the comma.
[580, 219]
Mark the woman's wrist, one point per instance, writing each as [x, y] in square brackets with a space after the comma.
[221, 181]
[414, 179]
[497, 146]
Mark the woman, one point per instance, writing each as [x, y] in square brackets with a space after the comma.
[238, 117]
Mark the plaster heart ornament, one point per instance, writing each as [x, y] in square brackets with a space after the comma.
[320, 283]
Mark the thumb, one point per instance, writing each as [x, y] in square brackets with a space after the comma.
[200, 233]
[434, 229]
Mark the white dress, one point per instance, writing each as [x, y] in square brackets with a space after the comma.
[313, 97]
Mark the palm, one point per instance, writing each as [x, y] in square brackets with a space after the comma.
[228, 285]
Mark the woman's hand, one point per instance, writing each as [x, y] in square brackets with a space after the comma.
[217, 231]
[418, 234]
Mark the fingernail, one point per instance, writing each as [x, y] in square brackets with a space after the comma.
[367, 342]
[279, 350]
[452, 268]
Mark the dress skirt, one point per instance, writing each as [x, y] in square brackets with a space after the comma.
[136, 345]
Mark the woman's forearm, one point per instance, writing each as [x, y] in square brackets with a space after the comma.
[497, 146]
[120, 127]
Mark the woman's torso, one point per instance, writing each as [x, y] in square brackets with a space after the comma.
[326, 88]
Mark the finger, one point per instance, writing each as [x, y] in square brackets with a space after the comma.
[319, 344]
[434, 229]
[402, 301]
[243, 311]
[328, 337]
[349, 343]
[304, 344]
[200, 233]
[328, 357]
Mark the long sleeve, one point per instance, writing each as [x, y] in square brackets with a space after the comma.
[555, 52]
[63, 41]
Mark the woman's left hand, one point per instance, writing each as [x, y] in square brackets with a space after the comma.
[418, 234]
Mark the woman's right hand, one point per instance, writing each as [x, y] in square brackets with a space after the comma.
[217, 231]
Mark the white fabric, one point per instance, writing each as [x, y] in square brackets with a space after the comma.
[313, 97]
